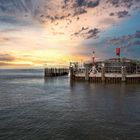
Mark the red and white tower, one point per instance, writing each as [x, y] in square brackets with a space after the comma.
[118, 51]
[93, 69]
[93, 57]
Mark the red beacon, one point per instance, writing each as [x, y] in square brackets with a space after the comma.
[118, 50]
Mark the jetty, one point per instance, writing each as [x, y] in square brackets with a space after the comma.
[114, 70]
[54, 72]
[104, 77]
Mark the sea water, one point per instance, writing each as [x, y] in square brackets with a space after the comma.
[34, 108]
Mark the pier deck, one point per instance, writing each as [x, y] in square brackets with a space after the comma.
[109, 75]
[108, 78]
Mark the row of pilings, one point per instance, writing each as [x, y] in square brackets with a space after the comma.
[53, 72]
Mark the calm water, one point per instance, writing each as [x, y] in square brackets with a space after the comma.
[32, 108]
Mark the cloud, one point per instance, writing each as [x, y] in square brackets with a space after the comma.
[126, 41]
[87, 33]
[122, 14]
[112, 14]
[79, 11]
[80, 31]
[4, 40]
[9, 19]
[92, 4]
[119, 3]
[4, 57]
[7, 30]
[137, 34]
[66, 13]
[47, 9]
[92, 33]
[126, 37]
[9, 64]
[13, 6]
[88, 3]
[4, 63]
[58, 29]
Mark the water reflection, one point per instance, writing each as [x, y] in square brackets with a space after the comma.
[54, 108]
[98, 110]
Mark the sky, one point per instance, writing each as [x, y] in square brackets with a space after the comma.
[47, 33]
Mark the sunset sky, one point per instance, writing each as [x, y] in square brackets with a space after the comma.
[38, 33]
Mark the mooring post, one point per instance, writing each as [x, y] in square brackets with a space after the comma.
[137, 69]
[71, 73]
[103, 73]
[86, 74]
[123, 74]
[45, 71]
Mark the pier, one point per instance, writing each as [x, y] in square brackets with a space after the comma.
[103, 76]
[54, 72]
[113, 70]
[108, 71]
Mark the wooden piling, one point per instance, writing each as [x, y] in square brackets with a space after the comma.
[123, 70]
[103, 73]
[86, 74]
[53, 72]
[71, 73]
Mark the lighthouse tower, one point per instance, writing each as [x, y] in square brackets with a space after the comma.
[93, 69]
[93, 58]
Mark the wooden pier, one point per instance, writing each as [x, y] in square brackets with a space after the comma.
[116, 70]
[54, 72]
[103, 77]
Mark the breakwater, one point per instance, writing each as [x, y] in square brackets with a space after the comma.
[54, 72]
